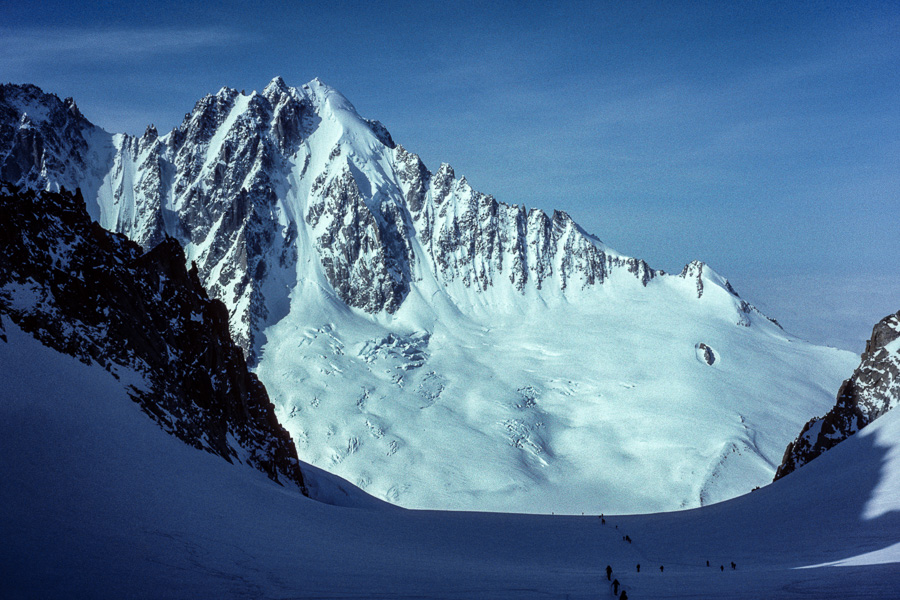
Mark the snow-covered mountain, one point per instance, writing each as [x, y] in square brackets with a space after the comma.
[431, 344]
[872, 390]
[243, 174]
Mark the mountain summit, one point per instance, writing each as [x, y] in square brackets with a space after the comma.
[430, 343]
[242, 175]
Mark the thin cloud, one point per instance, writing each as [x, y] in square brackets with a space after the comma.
[29, 48]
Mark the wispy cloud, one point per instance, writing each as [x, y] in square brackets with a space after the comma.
[37, 47]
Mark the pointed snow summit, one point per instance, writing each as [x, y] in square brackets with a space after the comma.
[435, 345]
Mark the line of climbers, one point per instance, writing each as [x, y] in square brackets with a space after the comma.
[615, 582]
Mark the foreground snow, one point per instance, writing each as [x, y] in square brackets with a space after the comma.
[101, 503]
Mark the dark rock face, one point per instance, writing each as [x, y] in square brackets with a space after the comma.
[872, 390]
[694, 270]
[381, 132]
[473, 238]
[230, 210]
[99, 297]
[706, 354]
[365, 262]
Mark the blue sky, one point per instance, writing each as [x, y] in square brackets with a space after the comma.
[762, 138]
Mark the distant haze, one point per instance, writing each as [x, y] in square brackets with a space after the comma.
[834, 311]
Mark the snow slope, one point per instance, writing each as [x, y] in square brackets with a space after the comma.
[435, 346]
[99, 502]
[561, 408]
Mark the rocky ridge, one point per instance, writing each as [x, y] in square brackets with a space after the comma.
[872, 390]
[145, 317]
[244, 179]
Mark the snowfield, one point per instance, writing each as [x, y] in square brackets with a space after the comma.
[599, 402]
[99, 502]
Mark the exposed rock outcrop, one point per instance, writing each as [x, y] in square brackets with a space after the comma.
[706, 354]
[99, 297]
[872, 390]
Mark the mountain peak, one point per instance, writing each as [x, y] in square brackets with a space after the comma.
[45, 138]
[277, 83]
[31, 101]
[275, 90]
[226, 93]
